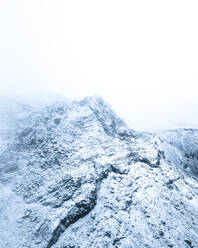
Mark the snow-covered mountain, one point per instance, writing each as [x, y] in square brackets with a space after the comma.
[72, 174]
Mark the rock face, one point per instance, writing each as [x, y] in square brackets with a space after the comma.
[74, 175]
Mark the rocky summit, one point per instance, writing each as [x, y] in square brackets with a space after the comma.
[72, 174]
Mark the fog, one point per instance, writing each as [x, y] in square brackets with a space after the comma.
[140, 56]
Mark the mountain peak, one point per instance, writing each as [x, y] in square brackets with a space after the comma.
[72, 174]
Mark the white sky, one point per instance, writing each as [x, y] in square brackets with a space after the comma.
[141, 56]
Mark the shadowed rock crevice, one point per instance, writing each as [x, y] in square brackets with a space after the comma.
[79, 210]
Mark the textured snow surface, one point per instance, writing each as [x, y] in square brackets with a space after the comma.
[74, 175]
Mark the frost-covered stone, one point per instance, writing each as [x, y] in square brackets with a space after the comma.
[74, 175]
[181, 146]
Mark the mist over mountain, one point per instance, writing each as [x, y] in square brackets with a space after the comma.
[73, 174]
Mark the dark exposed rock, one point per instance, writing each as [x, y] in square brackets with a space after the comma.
[79, 210]
[189, 243]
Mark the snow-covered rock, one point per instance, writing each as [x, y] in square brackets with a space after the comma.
[72, 174]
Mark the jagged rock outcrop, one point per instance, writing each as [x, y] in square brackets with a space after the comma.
[74, 175]
[181, 147]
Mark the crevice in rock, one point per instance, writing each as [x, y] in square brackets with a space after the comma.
[189, 243]
[79, 210]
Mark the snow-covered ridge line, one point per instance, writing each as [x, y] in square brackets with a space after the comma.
[72, 174]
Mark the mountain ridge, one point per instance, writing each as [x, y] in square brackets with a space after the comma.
[73, 174]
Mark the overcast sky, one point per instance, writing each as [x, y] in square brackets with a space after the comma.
[141, 56]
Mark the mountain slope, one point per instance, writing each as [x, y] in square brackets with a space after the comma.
[74, 175]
